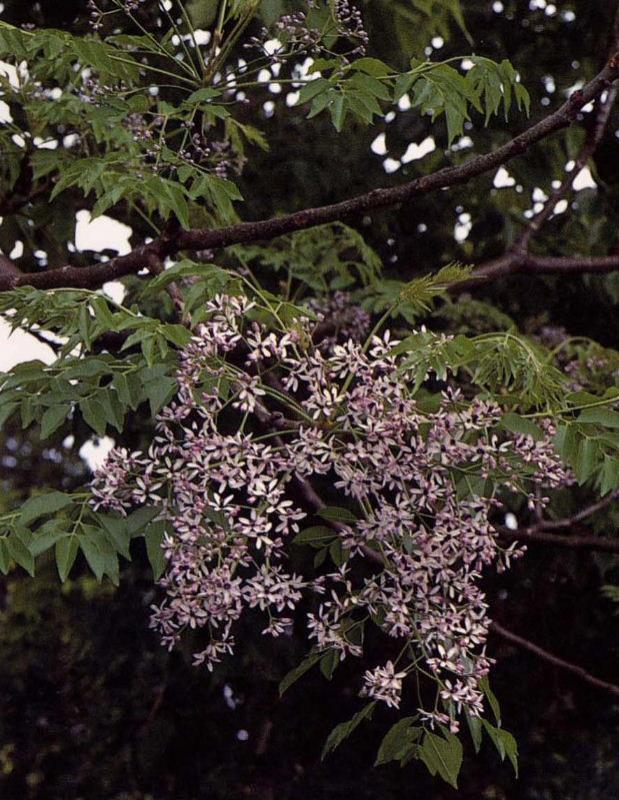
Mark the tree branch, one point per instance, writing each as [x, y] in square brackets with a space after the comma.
[534, 534]
[541, 531]
[566, 666]
[585, 513]
[7, 267]
[203, 239]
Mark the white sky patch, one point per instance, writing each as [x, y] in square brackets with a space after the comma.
[45, 144]
[70, 140]
[404, 103]
[416, 151]
[20, 346]
[539, 196]
[202, 36]
[102, 233]
[18, 250]
[502, 179]
[549, 84]
[114, 290]
[94, 452]
[272, 46]
[584, 180]
[5, 112]
[463, 143]
[463, 227]
[302, 70]
[511, 522]
[561, 207]
[466, 64]
[379, 145]
[391, 165]
[15, 75]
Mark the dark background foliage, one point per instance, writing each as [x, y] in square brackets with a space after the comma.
[92, 707]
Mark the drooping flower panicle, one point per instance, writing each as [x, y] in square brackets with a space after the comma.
[264, 428]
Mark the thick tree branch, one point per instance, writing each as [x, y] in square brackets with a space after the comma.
[566, 666]
[203, 239]
[7, 267]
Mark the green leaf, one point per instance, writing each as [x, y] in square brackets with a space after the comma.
[177, 334]
[344, 729]
[609, 476]
[94, 415]
[484, 685]
[66, 552]
[315, 535]
[138, 521]
[475, 729]
[336, 514]
[159, 393]
[5, 559]
[517, 424]
[329, 662]
[338, 112]
[399, 741]
[588, 460]
[504, 743]
[53, 418]
[600, 416]
[43, 505]
[153, 537]
[94, 555]
[442, 756]
[310, 90]
[296, 673]
[372, 66]
[20, 553]
[118, 535]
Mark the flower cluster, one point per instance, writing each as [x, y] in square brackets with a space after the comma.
[268, 428]
[300, 36]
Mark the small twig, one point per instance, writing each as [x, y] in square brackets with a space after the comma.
[585, 513]
[561, 663]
